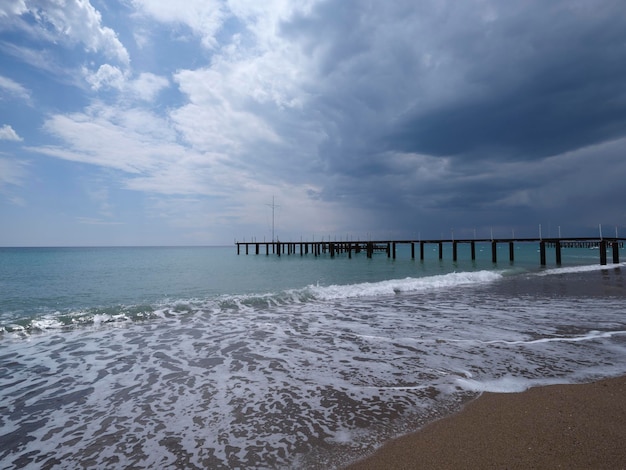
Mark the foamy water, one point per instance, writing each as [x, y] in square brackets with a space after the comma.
[302, 378]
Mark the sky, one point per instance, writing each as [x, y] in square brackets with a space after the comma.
[149, 122]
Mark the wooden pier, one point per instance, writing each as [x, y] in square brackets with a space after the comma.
[389, 247]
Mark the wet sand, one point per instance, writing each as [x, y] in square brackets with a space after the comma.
[559, 426]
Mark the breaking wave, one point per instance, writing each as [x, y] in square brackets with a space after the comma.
[121, 314]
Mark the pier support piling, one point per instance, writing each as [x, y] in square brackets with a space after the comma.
[603, 252]
[607, 247]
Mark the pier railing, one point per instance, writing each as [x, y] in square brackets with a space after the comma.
[318, 248]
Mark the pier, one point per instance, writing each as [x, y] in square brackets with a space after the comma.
[333, 248]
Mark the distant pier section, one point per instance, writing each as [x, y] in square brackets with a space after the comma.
[604, 246]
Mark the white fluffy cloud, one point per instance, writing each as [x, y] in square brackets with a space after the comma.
[145, 87]
[7, 133]
[204, 17]
[214, 118]
[107, 76]
[148, 85]
[79, 21]
[12, 7]
[132, 140]
[13, 89]
[71, 21]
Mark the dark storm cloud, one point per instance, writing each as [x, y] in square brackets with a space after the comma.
[452, 110]
[528, 82]
[568, 93]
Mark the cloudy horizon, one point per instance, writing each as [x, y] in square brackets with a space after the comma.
[140, 122]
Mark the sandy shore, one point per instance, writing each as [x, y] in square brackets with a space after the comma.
[559, 426]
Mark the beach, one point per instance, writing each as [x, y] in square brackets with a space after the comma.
[579, 426]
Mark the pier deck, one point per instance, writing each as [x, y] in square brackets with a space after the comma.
[318, 248]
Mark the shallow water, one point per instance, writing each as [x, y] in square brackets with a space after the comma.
[157, 371]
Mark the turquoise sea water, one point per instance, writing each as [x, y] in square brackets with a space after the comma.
[196, 357]
[72, 284]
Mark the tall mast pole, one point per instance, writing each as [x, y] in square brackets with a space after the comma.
[273, 206]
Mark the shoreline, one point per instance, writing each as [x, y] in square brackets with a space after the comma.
[555, 426]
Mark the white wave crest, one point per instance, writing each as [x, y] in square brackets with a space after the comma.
[47, 323]
[581, 269]
[408, 284]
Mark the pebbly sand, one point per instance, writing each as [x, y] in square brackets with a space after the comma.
[559, 426]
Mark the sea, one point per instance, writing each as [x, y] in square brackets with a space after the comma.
[197, 357]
